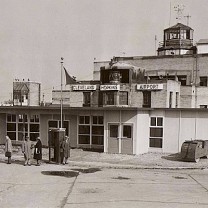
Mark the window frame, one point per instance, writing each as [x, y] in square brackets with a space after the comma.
[156, 125]
[147, 99]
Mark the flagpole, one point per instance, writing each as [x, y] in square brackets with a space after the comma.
[62, 61]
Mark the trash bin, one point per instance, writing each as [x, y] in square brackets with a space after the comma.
[193, 150]
[56, 136]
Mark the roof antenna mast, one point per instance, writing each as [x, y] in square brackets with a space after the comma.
[179, 9]
[188, 17]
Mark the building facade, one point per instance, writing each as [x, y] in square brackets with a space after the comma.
[26, 93]
[133, 105]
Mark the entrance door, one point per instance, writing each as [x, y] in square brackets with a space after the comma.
[113, 138]
[127, 139]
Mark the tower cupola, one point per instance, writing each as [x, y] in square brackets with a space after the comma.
[177, 40]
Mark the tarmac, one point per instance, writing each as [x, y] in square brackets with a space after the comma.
[81, 158]
[163, 180]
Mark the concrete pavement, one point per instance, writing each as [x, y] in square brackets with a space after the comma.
[149, 180]
[27, 187]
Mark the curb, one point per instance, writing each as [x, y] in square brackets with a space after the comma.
[136, 167]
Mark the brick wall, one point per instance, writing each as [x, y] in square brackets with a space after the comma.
[34, 94]
[73, 99]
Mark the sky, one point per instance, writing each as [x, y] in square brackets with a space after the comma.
[35, 34]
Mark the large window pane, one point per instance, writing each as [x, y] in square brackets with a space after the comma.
[11, 126]
[87, 120]
[109, 98]
[53, 124]
[81, 119]
[98, 140]
[156, 142]
[22, 127]
[11, 118]
[34, 127]
[98, 130]
[147, 99]
[114, 131]
[156, 132]
[12, 135]
[33, 136]
[159, 121]
[127, 130]
[97, 119]
[84, 129]
[84, 139]
[87, 99]
[153, 121]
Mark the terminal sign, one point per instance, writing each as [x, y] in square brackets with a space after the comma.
[149, 86]
[83, 87]
[109, 87]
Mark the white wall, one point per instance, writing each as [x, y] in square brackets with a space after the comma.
[142, 132]
[202, 48]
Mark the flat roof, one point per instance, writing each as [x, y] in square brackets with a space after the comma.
[56, 107]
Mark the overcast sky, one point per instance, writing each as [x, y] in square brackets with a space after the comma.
[35, 34]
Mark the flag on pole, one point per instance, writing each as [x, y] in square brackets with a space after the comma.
[69, 79]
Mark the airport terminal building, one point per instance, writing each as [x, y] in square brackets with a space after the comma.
[133, 105]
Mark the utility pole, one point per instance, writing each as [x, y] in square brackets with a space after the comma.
[62, 61]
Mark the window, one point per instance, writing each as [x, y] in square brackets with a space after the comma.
[146, 99]
[100, 98]
[34, 127]
[127, 131]
[11, 118]
[170, 99]
[11, 126]
[123, 98]
[86, 99]
[177, 98]
[203, 106]
[57, 124]
[91, 130]
[114, 131]
[84, 120]
[156, 132]
[34, 118]
[109, 98]
[84, 130]
[203, 81]
[21, 125]
[182, 80]
[97, 130]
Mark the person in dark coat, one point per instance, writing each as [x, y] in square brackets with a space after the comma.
[38, 151]
[62, 146]
[8, 149]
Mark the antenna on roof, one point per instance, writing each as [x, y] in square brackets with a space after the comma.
[170, 14]
[179, 9]
[188, 17]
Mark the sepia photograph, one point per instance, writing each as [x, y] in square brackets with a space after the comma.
[103, 104]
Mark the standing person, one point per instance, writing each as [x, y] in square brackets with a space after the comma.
[66, 149]
[62, 146]
[8, 149]
[27, 150]
[38, 151]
